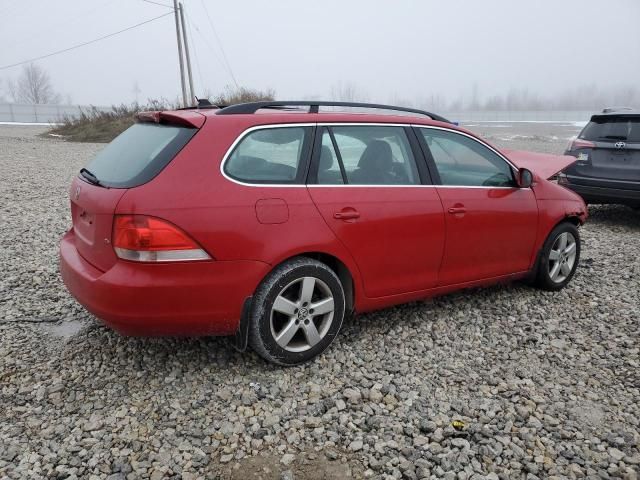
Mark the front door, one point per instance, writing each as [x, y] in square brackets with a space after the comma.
[491, 224]
[369, 188]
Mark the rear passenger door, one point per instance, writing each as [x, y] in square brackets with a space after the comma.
[371, 190]
[491, 223]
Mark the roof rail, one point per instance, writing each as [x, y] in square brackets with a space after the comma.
[203, 103]
[616, 109]
[314, 107]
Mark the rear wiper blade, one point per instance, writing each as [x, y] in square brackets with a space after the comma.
[613, 137]
[90, 177]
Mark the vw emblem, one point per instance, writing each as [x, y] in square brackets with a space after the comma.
[620, 144]
[77, 194]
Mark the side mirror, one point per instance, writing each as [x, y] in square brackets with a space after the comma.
[524, 178]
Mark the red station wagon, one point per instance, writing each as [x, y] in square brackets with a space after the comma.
[272, 221]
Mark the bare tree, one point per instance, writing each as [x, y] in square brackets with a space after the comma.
[136, 90]
[33, 86]
[435, 102]
[2, 91]
[348, 92]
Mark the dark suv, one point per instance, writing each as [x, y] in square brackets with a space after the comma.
[608, 153]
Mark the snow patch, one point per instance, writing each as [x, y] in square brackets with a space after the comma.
[28, 124]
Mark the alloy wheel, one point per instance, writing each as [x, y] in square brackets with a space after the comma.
[562, 257]
[302, 314]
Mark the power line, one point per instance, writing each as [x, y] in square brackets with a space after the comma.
[85, 43]
[215, 33]
[195, 50]
[213, 50]
[77, 17]
[158, 3]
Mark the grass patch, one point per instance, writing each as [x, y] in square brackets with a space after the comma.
[95, 125]
[100, 126]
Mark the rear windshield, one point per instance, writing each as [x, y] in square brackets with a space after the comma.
[138, 154]
[612, 129]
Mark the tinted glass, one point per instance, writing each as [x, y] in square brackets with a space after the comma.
[613, 129]
[373, 155]
[328, 166]
[270, 155]
[138, 154]
[462, 161]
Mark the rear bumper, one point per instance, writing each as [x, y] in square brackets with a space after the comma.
[190, 298]
[605, 194]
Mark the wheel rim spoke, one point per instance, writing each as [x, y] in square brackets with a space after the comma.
[287, 333]
[554, 271]
[565, 269]
[306, 293]
[571, 248]
[562, 241]
[323, 306]
[285, 306]
[554, 255]
[311, 332]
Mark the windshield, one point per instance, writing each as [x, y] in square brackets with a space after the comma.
[611, 128]
[138, 154]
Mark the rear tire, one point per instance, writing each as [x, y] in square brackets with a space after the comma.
[297, 311]
[559, 258]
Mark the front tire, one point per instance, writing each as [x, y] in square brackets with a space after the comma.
[297, 311]
[559, 257]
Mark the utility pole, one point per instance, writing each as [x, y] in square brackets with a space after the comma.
[188, 58]
[184, 90]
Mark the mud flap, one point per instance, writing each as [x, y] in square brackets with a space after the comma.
[241, 338]
[533, 273]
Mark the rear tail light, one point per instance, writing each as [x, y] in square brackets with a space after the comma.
[576, 144]
[149, 239]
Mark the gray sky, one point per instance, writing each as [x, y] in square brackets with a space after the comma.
[400, 49]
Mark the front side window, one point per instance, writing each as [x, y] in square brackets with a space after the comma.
[462, 161]
[269, 155]
[367, 155]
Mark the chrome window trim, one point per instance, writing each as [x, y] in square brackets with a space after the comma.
[481, 142]
[355, 124]
[408, 186]
[242, 136]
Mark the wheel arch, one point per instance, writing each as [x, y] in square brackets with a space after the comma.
[346, 270]
[336, 264]
[571, 218]
[246, 335]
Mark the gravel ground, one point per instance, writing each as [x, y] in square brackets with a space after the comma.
[547, 385]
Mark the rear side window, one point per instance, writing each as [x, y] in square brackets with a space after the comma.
[367, 155]
[138, 154]
[612, 129]
[270, 155]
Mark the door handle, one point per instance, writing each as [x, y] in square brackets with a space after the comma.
[346, 214]
[457, 210]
